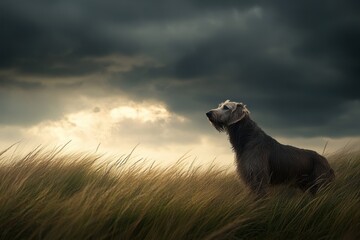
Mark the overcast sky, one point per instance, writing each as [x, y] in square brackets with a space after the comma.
[124, 72]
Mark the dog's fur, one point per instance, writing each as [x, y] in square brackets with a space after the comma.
[261, 160]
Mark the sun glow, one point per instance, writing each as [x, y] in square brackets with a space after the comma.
[118, 125]
[151, 113]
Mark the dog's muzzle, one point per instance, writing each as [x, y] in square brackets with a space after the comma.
[218, 126]
[211, 116]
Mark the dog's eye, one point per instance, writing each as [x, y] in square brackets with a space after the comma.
[226, 107]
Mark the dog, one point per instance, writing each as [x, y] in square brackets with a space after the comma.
[262, 161]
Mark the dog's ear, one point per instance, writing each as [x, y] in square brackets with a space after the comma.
[238, 112]
[242, 107]
[237, 106]
[234, 107]
[245, 110]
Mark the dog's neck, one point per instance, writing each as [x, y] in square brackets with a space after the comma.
[238, 120]
[241, 132]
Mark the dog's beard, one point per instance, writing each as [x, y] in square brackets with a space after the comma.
[218, 126]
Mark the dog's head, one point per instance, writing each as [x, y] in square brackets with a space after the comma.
[226, 114]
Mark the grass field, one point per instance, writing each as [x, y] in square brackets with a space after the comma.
[56, 195]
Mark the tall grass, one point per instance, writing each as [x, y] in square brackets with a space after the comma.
[53, 195]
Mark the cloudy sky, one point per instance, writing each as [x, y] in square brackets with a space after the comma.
[122, 73]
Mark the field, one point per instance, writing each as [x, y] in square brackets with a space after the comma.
[56, 195]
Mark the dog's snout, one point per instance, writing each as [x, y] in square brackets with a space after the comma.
[208, 114]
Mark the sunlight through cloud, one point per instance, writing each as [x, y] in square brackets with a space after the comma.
[151, 113]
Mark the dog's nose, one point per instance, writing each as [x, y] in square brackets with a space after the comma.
[208, 114]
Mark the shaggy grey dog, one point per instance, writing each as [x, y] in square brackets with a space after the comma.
[261, 160]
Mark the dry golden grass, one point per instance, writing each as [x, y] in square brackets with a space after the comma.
[53, 195]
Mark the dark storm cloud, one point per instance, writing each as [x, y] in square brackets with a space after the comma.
[6, 83]
[28, 108]
[53, 38]
[296, 64]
